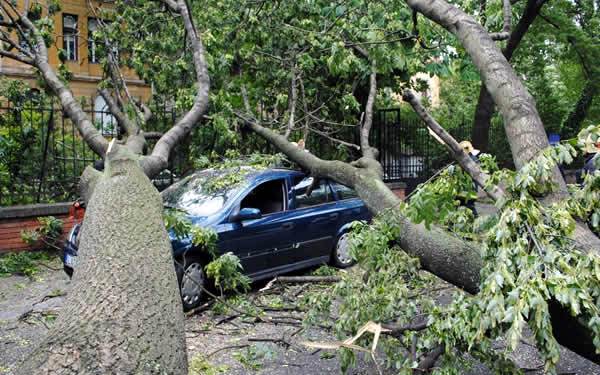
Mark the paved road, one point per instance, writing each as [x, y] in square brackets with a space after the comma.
[27, 309]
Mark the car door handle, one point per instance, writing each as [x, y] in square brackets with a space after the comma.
[287, 225]
[333, 217]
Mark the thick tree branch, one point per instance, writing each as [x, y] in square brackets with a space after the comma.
[17, 23]
[505, 34]
[516, 105]
[134, 141]
[27, 59]
[129, 127]
[465, 161]
[485, 104]
[72, 108]
[160, 154]
[146, 111]
[152, 135]
[294, 98]
[23, 59]
[367, 150]
[430, 359]
[397, 330]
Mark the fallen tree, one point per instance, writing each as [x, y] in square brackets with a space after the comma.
[124, 314]
[438, 252]
[444, 255]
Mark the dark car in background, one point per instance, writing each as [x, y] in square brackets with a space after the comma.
[275, 220]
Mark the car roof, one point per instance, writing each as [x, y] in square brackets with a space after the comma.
[260, 173]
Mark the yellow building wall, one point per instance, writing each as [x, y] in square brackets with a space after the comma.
[433, 93]
[86, 75]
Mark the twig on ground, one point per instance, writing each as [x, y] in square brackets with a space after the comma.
[201, 308]
[301, 289]
[227, 319]
[47, 266]
[270, 308]
[49, 296]
[301, 279]
[297, 331]
[227, 347]
[282, 341]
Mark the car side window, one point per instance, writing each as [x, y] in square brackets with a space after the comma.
[344, 192]
[310, 194]
[268, 197]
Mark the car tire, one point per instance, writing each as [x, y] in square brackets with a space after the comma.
[340, 256]
[192, 284]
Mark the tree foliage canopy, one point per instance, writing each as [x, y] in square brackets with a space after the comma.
[317, 69]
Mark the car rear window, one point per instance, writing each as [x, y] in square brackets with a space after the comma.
[344, 192]
[305, 197]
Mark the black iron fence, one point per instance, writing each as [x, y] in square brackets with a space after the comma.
[408, 153]
[42, 154]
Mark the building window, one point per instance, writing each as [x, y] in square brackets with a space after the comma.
[103, 119]
[70, 36]
[93, 52]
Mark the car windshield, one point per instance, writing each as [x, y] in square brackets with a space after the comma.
[204, 193]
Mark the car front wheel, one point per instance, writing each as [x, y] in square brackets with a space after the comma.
[341, 253]
[192, 284]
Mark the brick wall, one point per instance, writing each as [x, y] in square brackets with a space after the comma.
[14, 219]
[398, 188]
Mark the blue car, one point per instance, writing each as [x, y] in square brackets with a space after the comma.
[275, 220]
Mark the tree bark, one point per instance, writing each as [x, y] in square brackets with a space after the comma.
[447, 257]
[159, 158]
[485, 105]
[124, 315]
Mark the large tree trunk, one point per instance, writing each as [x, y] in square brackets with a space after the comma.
[124, 315]
[447, 257]
[485, 105]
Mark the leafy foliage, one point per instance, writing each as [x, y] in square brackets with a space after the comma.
[437, 201]
[199, 365]
[24, 263]
[529, 261]
[225, 270]
[49, 233]
[176, 221]
[205, 238]
[254, 355]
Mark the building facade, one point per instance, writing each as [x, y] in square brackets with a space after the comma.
[73, 29]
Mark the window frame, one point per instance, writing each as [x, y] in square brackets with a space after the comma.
[93, 56]
[107, 119]
[329, 193]
[282, 182]
[334, 186]
[69, 35]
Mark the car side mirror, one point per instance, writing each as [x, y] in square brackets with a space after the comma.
[245, 214]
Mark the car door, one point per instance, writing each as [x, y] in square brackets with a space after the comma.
[257, 241]
[350, 206]
[316, 216]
